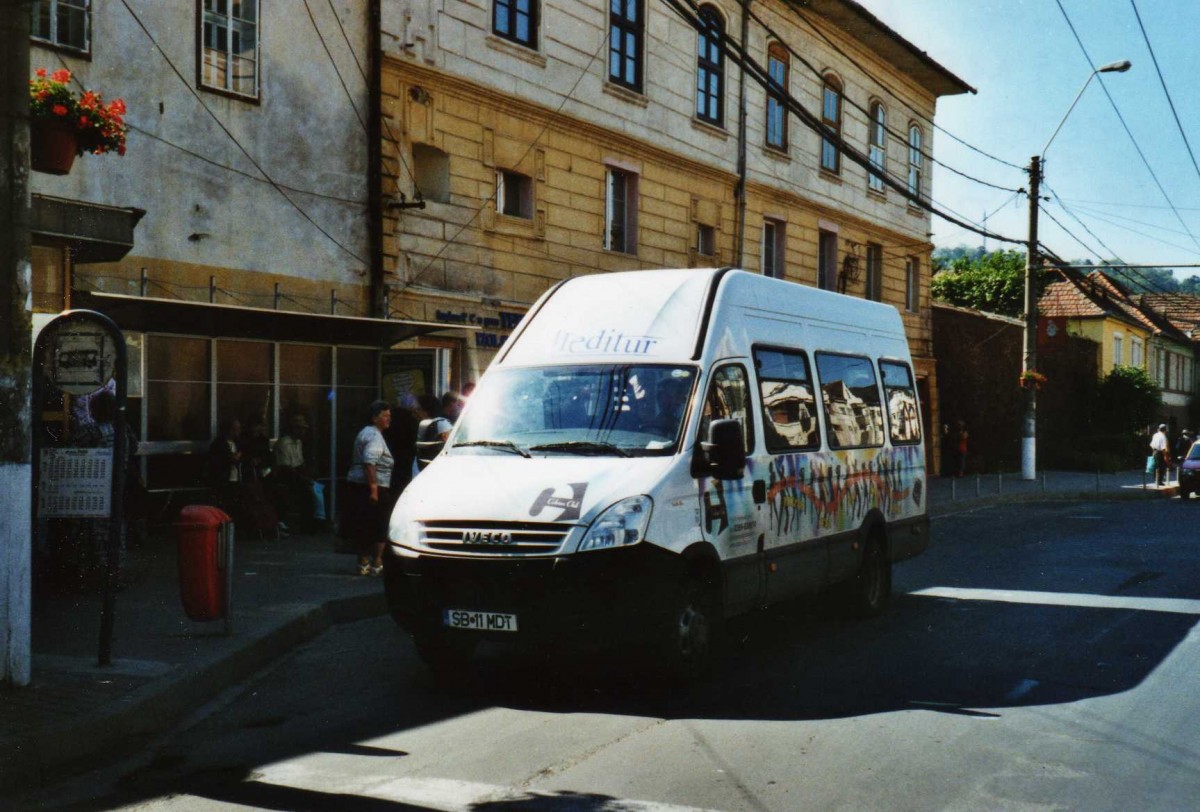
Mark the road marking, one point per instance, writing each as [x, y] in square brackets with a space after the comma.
[450, 795]
[1177, 606]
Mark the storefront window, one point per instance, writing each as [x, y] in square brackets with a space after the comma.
[357, 386]
[244, 382]
[305, 386]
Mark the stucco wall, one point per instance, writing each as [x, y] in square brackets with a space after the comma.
[208, 206]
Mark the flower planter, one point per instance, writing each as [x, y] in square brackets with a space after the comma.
[51, 147]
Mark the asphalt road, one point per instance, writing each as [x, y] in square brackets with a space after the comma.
[1037, 657]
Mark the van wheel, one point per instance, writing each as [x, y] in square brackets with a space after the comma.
[688, 638]
[446, 654]
[870, 590]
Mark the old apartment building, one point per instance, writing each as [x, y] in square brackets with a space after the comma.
[546, 140]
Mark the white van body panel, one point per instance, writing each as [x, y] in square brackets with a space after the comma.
[792, 522]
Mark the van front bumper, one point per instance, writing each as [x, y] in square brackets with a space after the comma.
[587, 596]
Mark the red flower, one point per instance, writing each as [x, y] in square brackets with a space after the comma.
[41, 72]
[61, 75]
[58, 110]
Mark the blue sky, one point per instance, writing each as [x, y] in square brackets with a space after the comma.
[1027, 67]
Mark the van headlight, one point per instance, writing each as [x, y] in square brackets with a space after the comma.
[621, 525]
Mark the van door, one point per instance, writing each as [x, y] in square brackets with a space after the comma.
[796, 559]
[730, 517]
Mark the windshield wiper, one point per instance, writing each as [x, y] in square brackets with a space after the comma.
[582, 446]
[509, 444]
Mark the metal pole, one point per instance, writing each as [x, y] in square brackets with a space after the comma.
[1032, 267]
[15, 376]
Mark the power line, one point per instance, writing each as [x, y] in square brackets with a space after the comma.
[1117, 224]
[217, 164]
[901, 137]
[1130, 205]
[333, 62]
[484, 202]
[1163, 82]
[795, 8]
[234, 139]
[737, 53]
[1121, 118]
[383, 119]
[1095, 213]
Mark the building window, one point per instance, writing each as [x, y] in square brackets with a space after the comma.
[874, 286]
[912, 284]
[777, 93]
[827, 260]
[625, 27]
[914, 162]
[516, 20]
[230, 46]
[620, 212]
[710, 68]
[878, 152]
[65, 23]
[831, 117]
[1136, 356]
[706, 240]
[773, 264]
[1118, 350]
[514, 194]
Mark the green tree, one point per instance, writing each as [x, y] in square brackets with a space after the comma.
[993, 283]
[1127, 401]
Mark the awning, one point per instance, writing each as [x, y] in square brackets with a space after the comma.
[149, 314]
[95, 233]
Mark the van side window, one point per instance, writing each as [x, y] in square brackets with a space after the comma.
[728, 397]
[788, 402]
[904, 427]
[853, 414]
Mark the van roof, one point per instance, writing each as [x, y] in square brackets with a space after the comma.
[667, 316]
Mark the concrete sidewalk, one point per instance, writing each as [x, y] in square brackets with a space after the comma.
[164, 666]
[286, 592]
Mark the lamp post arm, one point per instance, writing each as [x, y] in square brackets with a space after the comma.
[1068, 113]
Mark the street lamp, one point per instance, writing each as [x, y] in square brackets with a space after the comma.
[1033, 263]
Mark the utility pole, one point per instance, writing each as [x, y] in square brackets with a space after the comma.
[15, 345]
[1033, 266]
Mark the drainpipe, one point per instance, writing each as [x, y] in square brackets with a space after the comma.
[740, 190]
[375, 160]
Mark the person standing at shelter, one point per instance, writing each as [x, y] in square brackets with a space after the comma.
[223, 468]
[370, 477]
[1158, 448]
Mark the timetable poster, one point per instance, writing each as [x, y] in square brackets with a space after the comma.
[75, 483]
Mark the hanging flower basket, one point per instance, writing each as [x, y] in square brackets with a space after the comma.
[63, 124]
[52, 147]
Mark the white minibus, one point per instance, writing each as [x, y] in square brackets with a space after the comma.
[653, 452]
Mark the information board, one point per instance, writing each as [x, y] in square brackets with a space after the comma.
[75, 483]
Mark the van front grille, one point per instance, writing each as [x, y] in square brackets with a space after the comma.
[495, 538]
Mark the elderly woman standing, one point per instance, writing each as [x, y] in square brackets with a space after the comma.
[370, 476]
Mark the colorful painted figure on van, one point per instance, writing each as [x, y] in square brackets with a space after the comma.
[831, 492]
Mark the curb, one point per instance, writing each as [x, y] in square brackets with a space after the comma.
[1124, 495]
[151, 709]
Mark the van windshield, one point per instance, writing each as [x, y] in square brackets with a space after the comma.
[594, 409]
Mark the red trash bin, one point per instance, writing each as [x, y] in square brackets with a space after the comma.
[204, 535]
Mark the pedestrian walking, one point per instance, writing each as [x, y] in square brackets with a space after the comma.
[369, 505]
[1158, 449]
[1181, 447]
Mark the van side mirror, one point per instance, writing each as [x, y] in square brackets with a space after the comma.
[429, 440]
[725, 451]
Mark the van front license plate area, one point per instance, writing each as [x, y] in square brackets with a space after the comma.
[480, 621]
